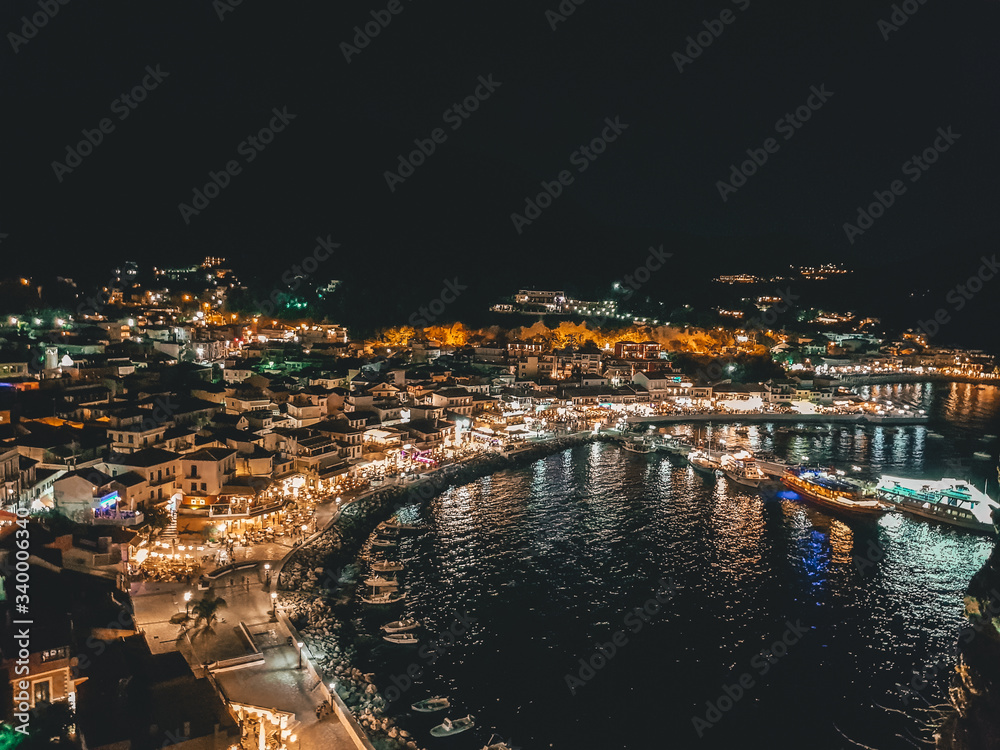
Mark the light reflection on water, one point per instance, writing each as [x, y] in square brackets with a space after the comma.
[551, 557]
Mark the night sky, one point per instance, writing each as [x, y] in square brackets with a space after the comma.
[657, 183]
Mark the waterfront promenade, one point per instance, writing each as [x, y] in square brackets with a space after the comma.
[273, 679]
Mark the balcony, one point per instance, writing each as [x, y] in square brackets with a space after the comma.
[118, 517]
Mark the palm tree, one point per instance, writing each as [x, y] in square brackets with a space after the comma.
[206, 609]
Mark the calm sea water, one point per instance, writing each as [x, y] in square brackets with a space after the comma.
[553, 558]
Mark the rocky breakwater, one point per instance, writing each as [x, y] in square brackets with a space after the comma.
[973, 720]
[306, 569]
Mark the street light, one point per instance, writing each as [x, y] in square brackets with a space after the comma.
[274, 603]
[301, 644]
[267, 573]
[187, 603]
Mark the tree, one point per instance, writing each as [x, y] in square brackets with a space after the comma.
[50, 725]
[157, 517]
[207, 608]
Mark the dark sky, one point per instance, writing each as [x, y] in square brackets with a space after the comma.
[657, 183]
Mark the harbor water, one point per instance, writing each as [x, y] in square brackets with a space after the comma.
[617, 600]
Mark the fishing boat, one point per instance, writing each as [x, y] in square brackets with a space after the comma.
[389, 597]
[401, 639]
[448, 727]
[742, 468]
[703, 462]
[401, 625]
[387, 530]
[387, 566]
[635, 447]
[951, 501]
[382, 542]
[379, 582]
[826, 489]
[430, 705]
[981, 454]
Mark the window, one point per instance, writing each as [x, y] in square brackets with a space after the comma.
[52, 654]
[42, 694]
[203, 487]
[194, 486]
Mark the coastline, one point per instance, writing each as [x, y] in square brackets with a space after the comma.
[311, 573]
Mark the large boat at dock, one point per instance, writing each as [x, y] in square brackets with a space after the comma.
[952, 501]
[826, 488]
[702, 461]
[740, 467]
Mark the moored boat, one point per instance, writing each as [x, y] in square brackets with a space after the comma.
[952, 501]
[401, 639]
[742, 468]
[981, 454]
[636, 447]
[387, 598]
[387, 566]
[430, 705]
[379, 582]
[448, 727]
[401, 625]
[381, 542]
[703, 462]
[824, 488]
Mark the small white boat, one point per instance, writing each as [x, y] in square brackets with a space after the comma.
[430, 705]
[981, 454]
[387, 566]
[633, 447]
[401, 625]
[988, 437]
[379, 582]
[394, 523]
[935, 435]
[448, 727]
[401, 639]
[387, 598]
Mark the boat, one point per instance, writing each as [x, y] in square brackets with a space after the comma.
[988, 436]
[394, 523]
[390, 597]
[935, 435]
[448, 727]
[430, 705]
[703, 462]
[826, 489]
[379, 582]
[742, 468]
[742, 431]
[501, 745]
[635, 447]
[981, 454]
[401, 625]
[952, 501]
[380, 542]
[387, 566]
[386, 530]
[401, 639]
